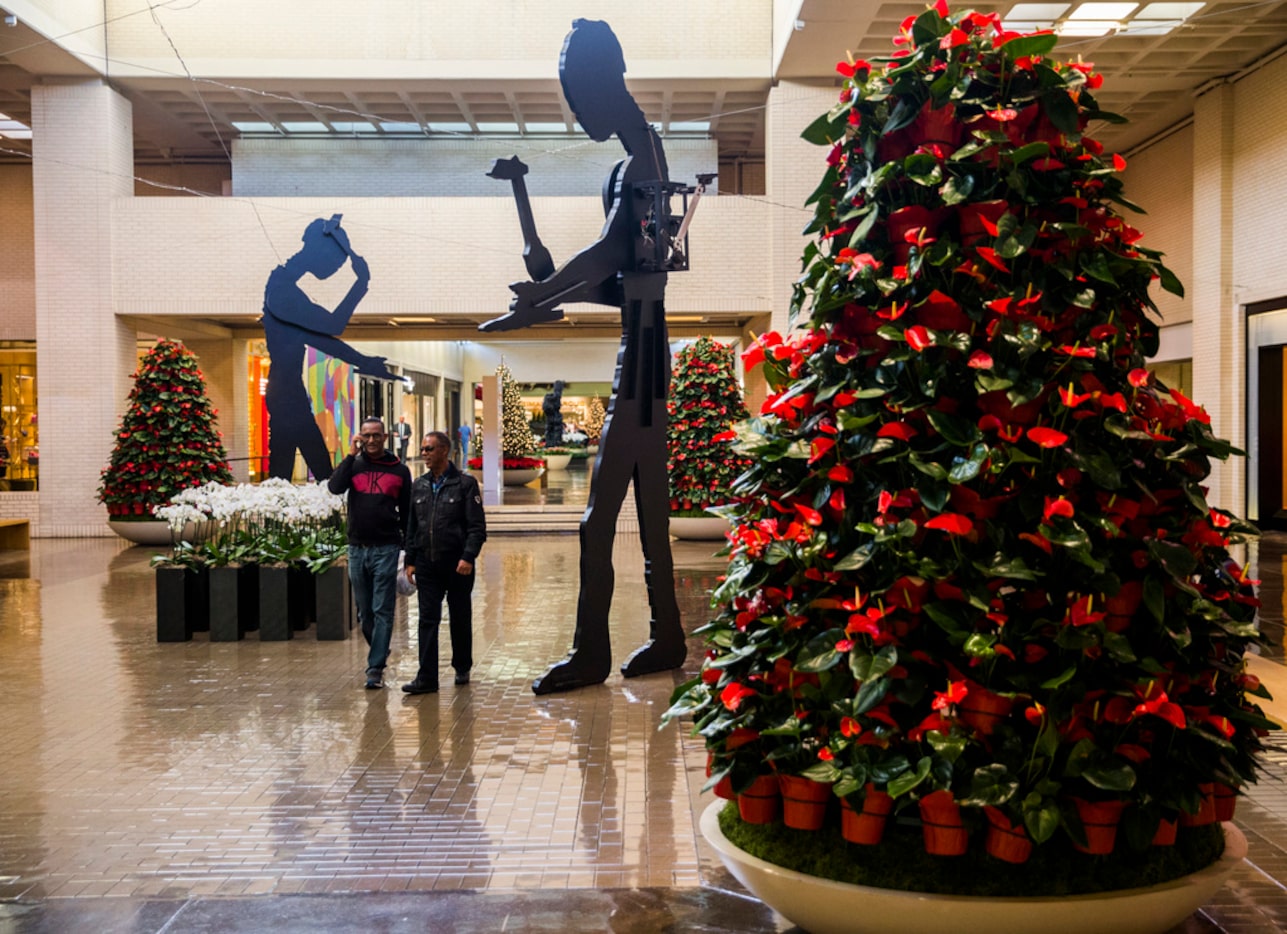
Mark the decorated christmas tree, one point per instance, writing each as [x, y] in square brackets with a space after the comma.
[167, 441]
[975, 577]
[704, 400]
[516, 434]
[594, 420]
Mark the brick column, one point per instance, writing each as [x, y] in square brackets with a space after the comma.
[1219, 370]
[82, 165]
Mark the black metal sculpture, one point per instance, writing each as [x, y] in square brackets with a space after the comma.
[552, 406]
[292, 321]
[626, 267]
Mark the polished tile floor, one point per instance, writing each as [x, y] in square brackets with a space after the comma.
[253, 786]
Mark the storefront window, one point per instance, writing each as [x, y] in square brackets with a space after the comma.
[19, 424]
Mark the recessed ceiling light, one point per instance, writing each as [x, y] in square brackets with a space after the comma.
[1088, 27]
[1036, 12]
[1102, 11]
[1180, 11]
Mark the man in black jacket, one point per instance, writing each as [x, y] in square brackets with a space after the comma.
[379, 489]
[445, 534]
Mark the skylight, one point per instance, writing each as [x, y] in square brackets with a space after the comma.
[1101, 17]
[13, 129]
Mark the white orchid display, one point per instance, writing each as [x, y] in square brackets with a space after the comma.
[272, 521]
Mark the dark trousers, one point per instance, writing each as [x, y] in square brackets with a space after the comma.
[434, 581]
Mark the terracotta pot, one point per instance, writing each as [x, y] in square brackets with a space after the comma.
[868, 825]
[1006, 841]
[1166, 830]
[941, 824]
[1207, 813]
[1226, 801]
[1100, 820]
[724, 787]
[804, 802]
[983, 710]
[760, 802]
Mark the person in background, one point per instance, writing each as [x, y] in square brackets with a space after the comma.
[379, 501]
[445, 533]
[403, 433]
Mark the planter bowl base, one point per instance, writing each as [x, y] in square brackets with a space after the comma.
[825, 907]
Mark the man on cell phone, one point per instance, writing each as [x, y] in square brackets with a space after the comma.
[379, 502]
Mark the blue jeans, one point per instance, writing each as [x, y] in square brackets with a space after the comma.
[373, 573]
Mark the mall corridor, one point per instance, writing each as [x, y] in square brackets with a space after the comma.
[250, 786]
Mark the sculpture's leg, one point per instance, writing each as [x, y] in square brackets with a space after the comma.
[590, 661]
[665, 648]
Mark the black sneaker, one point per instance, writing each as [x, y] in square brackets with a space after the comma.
[374, 679]
[462, 677]
[420, 687]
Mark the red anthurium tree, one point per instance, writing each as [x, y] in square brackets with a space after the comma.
[704, 401]
[167, 441]
[973, 553]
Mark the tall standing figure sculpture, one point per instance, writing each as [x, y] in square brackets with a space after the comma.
[626, 267]
[293, 321]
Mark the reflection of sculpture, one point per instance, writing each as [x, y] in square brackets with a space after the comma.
[625, 267]
[553, 408]
[291, 322]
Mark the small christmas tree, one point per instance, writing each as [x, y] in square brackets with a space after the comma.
[516, 434]
[705, 399]
[594, 421]
[167, 441]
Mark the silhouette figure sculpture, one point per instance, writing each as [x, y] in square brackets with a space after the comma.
[552, 406]
[626, 267]
[292, 321]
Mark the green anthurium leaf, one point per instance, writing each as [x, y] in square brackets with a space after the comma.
[929, 468]
[1028, 152]
[870, 695]
[820, 662]
[1062, 111]
[847, 784]
[856, 558]
[828, 128]
[979, 645]
[1060, 679]
[954, 429]
[1110, 777]
[957, 189]
[1174, 556]
[964, 469]
[1041, 819]
[1029, 46]
[823, 772]
[897, 787]
[991, 784]
[948, 746]
[1119, 647]
[934, 496]
[1169, 280]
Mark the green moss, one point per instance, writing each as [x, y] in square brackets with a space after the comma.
[899, 861]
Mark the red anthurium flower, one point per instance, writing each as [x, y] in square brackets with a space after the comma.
[1058, 507]
[733, 695]
[810, 515]
[844, 645]
[951, 523]
[1191, 409]
[1119, 164]
[1046, 437]
[1035, 714]
[1080, 613]
[1072, 399]
[941, 8]
[1074, 350]
[1101, 331]
[840, 474]
[849, 726]
[1003, 114]
[819, 448]
[918, 338]
[725, 436]
[1139, 377]
[980, 360]
[955, 693]
[989, 255]
[900, 430]
[953, 39]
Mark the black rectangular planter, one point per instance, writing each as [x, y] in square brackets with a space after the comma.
[334, 603]
[172, 622]
[303, 597]
[234, 602]
[275, 606]
[182, 602]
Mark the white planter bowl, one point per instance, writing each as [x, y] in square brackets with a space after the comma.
[520, 477]
[699, 528]
[821, 906]
[557, 461]
[154, 532]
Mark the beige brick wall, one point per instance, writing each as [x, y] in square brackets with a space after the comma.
[429, 168]
[1159, 178]
[161, 181]
[17, 255]
[83, 157]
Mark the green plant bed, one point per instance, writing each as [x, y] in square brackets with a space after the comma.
[900, 862]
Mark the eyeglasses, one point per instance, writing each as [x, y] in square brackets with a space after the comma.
[372, 436]
[428, 450]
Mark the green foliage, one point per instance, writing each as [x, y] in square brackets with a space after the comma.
[167, 440]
